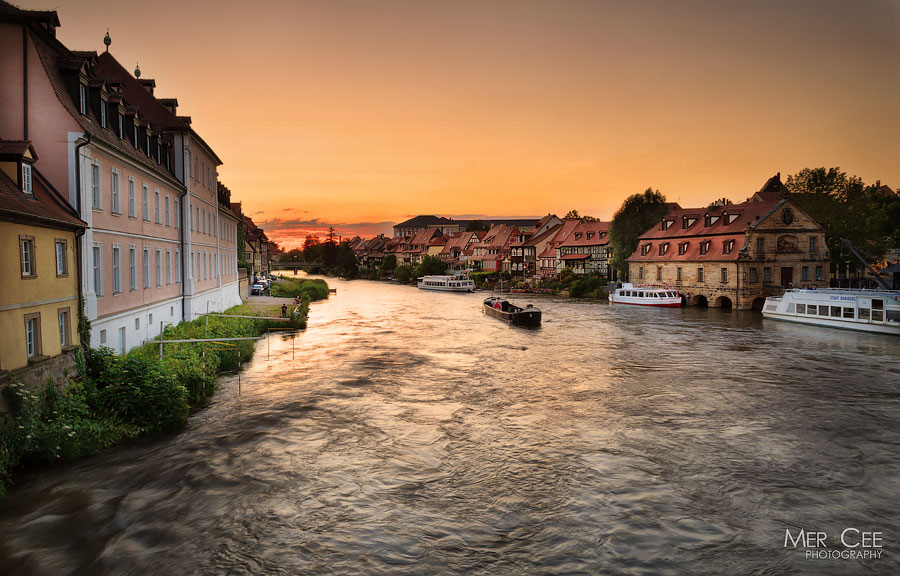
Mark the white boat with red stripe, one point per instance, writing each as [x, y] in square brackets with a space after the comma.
[646, 295]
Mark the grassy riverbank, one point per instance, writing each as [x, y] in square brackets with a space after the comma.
[114, 397]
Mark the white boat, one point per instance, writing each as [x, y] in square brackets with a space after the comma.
[447, 283]
[646, 296]
[866, 310]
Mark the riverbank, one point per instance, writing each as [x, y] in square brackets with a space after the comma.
[112, 397]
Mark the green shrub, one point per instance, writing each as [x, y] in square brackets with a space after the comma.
[147, 396]
[586, 287]
[403, 273]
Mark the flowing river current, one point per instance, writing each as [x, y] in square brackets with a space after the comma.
[405, 432]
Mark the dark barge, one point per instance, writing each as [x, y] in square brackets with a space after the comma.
[505, 310]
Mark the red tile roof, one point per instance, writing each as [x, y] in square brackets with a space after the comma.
[588, 234]
[44, 207]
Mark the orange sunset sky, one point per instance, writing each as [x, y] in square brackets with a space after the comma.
[363, 113]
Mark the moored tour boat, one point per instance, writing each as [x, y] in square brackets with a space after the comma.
[505, 310]
[628, 293]
[447, 283]
[866, 310]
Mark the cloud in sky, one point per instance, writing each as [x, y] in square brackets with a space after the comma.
[291, 232]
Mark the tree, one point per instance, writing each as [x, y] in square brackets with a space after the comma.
[330, 237]
[311, 240]
[403, 273]
[573, 215]
[345, 260]
[846, 208]
[293, 255]
[430, 266]
[477, 226]
[388, 264]
[638, 213]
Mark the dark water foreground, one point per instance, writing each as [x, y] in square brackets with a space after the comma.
[411, 434]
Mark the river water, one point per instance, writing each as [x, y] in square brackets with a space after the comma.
[407, 433]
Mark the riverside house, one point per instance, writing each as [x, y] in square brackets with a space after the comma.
[138, 175]
[494, 248]
[733, 255]
[585, 250]
[459, 249]
[39, 295]
[547, 258]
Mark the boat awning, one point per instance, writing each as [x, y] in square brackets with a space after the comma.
[576, 256]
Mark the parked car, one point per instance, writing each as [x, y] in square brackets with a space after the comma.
[257, 289]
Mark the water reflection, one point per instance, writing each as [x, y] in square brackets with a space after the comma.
[406, 432]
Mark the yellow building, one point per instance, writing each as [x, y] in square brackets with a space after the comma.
[39, 297]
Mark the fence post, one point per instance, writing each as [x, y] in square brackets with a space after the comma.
[203, 373]
[160, 339]
[239, 371]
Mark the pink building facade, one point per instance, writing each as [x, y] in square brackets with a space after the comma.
[159, 247]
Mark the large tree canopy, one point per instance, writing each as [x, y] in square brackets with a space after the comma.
[638, 213]
[431, 266]
[846, 208]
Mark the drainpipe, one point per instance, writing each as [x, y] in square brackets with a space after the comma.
[183, 252]
[79, 237]
[25, 82]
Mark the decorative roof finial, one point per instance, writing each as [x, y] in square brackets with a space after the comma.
[107, 40]
[137, 71]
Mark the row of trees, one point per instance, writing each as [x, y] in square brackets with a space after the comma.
[843, 205]
[333, 256]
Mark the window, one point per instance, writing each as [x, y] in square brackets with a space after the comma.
[835, 311]
[204, 220]
[819, 273]
[146, 203]
[122, 340]
[98, 269]
[33, 335]
[641, 273]
[663, 248]
[645, 249]
[812, 309]
[704, 247]
[26, 179]
[168, 266]
[699, 274]
[156, 206]
[26, 254]
[849, 313]
[204, 266]
[682, 248]
[132, 268]
[727, 246]
[804, 273]
[760, 245]
[148, 144]
[191, 212]
[158, 267]
[767, 274]
[62, 262]
[117, 269]
[801, 308]
[168, 216]
[177, 267]
[198, 219]
[136, 137]
[678, 274]
[95, 187]
[82, 98]
[724, 274]
[754, 277]
[131, 213]
[103, 113]
[115, 192]
[196, 167]
[146, 267]
[177, 214]
[659, 272]
[63, 317]
[121, 128]
[812, 244]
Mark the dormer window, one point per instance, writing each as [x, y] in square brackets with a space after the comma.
[710, 219]
[682, 248]
[590, 235]
[577, 235]
[687, 222]
[733, 217]
[82, 98]
[136, 137]
[663, 248]
[148, 145]
[704, 247]
[664, 225]
[645, 249]
[121, 128]
[103, 113]
[26, 179]
[727, 246]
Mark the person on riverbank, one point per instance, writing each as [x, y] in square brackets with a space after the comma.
[284, 310]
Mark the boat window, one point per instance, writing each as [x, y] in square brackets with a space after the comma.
[811, 309]
[893, 315]
[836, 311]
[848, 313]
[877, 315]
[863, 313]
[823, 310]
[790, 309]
[801, 308]
[877, 304]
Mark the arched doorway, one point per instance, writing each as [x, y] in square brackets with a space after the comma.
[723, 302]
[758, 304]
[699, 300]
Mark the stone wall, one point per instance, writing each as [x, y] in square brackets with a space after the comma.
[56, 368]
